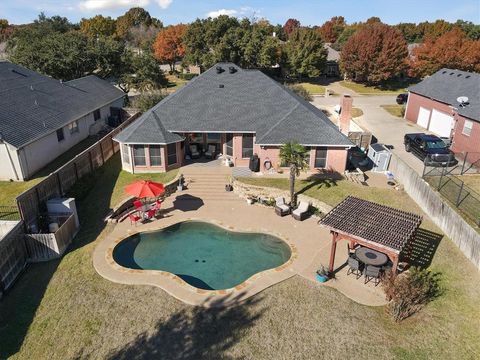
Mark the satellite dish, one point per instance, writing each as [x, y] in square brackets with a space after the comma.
[462, 100]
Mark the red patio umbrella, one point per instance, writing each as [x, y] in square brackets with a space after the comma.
[145, 189]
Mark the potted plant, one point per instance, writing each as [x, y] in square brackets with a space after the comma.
[322, 274]
[181, 182]
[229, 186]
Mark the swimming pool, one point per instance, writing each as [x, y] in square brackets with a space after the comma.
[202, 254]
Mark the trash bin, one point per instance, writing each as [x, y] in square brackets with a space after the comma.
[254, 163]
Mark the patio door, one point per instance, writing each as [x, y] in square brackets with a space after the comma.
[229, 144]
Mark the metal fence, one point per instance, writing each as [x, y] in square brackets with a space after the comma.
[455, 190]
[32, 202]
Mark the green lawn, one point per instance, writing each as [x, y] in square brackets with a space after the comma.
[393, 87]
[175, 82]
[312, 88]
[395, 110]
[64, 310]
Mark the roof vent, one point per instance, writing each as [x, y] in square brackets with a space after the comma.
[221, 86]
[462, 101]
[452, 73]
[18, 72]
[219, 70]
[444, 72]
[31, 87]
[467, 77]
[232, 70]
[458, 75]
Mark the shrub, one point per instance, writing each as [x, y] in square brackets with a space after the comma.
[146, 101]
[188, 76]
[410, 292]
[300, 91]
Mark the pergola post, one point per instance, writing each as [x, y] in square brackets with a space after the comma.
[332, 251]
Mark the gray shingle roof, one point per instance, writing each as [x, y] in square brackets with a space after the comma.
[249, 101]
[446, 85]
[34, 105]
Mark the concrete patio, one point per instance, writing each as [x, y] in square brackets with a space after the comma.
[206, 200]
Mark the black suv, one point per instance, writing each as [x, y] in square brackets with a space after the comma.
[402, 98]
[429, 148]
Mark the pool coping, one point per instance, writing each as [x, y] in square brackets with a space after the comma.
[106, 266]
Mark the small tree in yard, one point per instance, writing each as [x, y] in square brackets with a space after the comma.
[295, 156]
[169, 46]
[410, 292]
[145, 101]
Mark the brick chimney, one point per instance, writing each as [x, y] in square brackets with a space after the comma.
[345, 114]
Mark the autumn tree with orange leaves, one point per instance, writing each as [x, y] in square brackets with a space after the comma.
[375, 53]
[332, 29]
[451, 50]
[169, 46]
[290, 26]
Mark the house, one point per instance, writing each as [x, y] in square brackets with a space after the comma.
[41, 118]
[332, 68]
[448, 104]
[240, 112]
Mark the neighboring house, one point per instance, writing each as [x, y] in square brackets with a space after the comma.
[241, 112]
[433, 104]
[333, 58]
[40, 117]
[189, 69]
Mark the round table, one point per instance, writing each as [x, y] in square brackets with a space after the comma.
[371, 257]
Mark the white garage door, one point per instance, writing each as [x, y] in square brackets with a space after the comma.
[423, 116]
[441, 123]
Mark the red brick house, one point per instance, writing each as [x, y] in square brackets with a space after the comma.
[434, 104]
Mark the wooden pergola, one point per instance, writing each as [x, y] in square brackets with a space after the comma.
[372, 225]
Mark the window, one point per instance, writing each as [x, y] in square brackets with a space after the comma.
[247, 145]
[96, 115]
[60, 135]
[321, 157]
[126, 153]
[172, 154]
[155, 156]
[73, 127]
[196, 139]
[230, 144]
[139, 155]
[467, 127]
[214, 138]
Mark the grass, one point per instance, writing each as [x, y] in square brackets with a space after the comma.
[9, 190]
[356, 112]
[312, 88]
[473, 181]
[174, 82]
[387, 88]
[58, 301]
[395, 110]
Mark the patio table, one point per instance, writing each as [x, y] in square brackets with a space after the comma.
[371, 257]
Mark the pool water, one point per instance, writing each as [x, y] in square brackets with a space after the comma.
[202, 254]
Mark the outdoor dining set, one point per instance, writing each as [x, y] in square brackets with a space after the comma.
[369, 263]
[144, 208]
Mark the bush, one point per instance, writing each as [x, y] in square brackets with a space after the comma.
[146, 101]
[300, 91]
[188, 76]
[410, 292]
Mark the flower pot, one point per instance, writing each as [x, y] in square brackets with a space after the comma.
[228, 187]
[321, 278]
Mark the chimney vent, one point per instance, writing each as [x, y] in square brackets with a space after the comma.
[219, 70]
[232, 70]
[221, 86]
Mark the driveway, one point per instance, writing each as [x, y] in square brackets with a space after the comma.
[388, 129]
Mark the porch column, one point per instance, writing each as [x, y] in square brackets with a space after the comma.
[332, 251]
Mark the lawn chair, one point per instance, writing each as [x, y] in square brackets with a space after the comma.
[134, 219]
[354, 266]
[138, 204]
[281, 209]
[194, 153]
[301, 212]
[211, 151]
[373, 273]
[150, 214]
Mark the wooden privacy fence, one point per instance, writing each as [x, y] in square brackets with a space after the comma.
[13, 256]
[32, 202]
[444, 216]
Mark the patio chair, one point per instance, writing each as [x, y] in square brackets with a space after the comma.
[138, 204]
[354, 266]
[281, 208]
[195, 154]
[301, 212]
[150, 214]
[373, 273]
[211, 151]
[134, 219]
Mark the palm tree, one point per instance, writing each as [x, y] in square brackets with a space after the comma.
[295, 155]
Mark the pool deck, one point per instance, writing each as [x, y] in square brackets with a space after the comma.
[206, 200]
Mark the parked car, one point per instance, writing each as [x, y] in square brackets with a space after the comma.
[429, 148]
[402, 98]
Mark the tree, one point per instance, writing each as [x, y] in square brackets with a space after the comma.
[375, 53]
[290, 26]
[295, 155]
[411, 32]
[145, 74]
[331, 29]
[98, 26]
[306, 54]
[145, 101]
[470, 29]
[169, 46]
[132, 18]
[452, 49]
[300, 91]
[6, 30]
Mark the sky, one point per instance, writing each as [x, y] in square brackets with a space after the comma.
[309, 12]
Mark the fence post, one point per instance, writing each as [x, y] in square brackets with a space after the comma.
[463, 165]
[457, 204]
[101, 151]
[75, 170]
[91, 161]
[59, 183]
